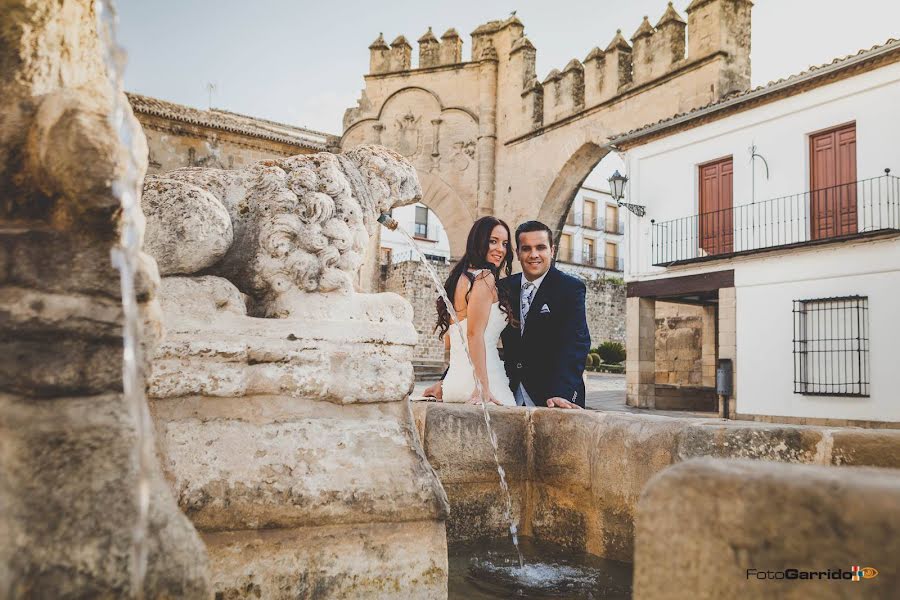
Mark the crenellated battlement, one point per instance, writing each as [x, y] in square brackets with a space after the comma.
[471, 124]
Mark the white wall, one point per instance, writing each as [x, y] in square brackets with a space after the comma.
[664, 177]
[406, 217]
[766, 289]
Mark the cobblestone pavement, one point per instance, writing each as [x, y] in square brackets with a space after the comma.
[605, 391]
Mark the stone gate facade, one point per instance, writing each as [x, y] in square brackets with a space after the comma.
[488, 137]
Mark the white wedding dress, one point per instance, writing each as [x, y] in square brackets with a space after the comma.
[460, 381]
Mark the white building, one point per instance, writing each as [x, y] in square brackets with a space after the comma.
[795, 254]
[427, 232]
[592, 238]
[591, 242]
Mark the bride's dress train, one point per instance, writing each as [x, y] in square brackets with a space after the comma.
[460, 381]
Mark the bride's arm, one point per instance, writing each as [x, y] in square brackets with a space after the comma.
[479, 311]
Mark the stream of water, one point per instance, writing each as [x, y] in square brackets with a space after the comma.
[125, 258]
[513, 527]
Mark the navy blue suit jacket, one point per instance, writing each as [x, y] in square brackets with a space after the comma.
[549, 357]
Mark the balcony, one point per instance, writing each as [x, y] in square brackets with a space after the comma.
[610, 263]
[864, 208]
[616, 227]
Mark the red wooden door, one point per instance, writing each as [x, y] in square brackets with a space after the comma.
[832, 203]
[716, 207]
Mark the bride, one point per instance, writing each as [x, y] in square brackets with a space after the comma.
[483, 313]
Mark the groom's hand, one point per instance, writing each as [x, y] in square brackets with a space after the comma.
[434, 391]
[560, 403]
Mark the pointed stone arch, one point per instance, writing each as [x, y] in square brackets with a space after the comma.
[453, 212]
[561, 194]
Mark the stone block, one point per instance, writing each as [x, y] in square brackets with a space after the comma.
[303, 471]
[876, 447]
[557, 463]
[561, 516]
[75, 455]
[705, 528]
[727, 338]
[783, 443]
[457, 443]
[479, 509]
[628, 451]
[369, 560]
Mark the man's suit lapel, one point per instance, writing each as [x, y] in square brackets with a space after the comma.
[515, 287]
[538, 300]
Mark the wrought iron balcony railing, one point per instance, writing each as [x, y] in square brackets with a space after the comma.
[867, 206]
[611, 226]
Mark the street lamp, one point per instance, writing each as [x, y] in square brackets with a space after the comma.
[617, 190]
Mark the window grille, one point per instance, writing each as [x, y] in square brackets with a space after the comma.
[831, 346]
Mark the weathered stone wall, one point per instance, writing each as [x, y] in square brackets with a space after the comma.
[719, 514]
[410, 280]
[604, 305]
[474, 126]
[173, 145]
[679, 344]
[583, 493]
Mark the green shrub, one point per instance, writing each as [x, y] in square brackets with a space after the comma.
[589, 361]
[595, 359]
[611, 352]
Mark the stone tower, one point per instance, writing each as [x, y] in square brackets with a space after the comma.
[490, 135]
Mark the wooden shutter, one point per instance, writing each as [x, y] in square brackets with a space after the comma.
[716, 207]
[832, 203]
[612, 219]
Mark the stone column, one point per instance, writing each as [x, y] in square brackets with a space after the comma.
[640, 348]
[728, 341]
[487, 131]
[69, 470]
[708, 352]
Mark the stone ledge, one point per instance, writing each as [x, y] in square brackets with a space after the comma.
[703, 523]
[582, 472]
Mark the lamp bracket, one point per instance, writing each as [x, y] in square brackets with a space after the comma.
[637, 209]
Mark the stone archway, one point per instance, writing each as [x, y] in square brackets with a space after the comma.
[452, 211]
[562, 191]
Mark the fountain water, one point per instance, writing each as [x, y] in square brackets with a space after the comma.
[513, 528]
[126, 258]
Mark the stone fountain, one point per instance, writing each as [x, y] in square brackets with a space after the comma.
[277, 392]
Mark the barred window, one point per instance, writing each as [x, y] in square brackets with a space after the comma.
[831, 346]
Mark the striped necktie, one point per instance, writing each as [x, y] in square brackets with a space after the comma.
[527, 296]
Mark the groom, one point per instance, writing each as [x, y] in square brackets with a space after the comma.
[545, 355]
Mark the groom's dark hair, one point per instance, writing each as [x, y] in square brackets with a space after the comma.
[529, 226]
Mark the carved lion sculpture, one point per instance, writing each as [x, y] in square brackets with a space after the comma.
[279, 227]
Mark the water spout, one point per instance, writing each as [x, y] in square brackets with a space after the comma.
[513, 528]
[126, 258]
[388, 221]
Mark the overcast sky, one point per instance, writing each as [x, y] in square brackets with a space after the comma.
[302, 61]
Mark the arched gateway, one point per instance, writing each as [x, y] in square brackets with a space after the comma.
[507, 144]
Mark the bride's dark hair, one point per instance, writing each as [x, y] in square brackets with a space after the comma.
[477, 246]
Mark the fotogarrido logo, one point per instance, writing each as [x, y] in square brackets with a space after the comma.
[855, 573]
